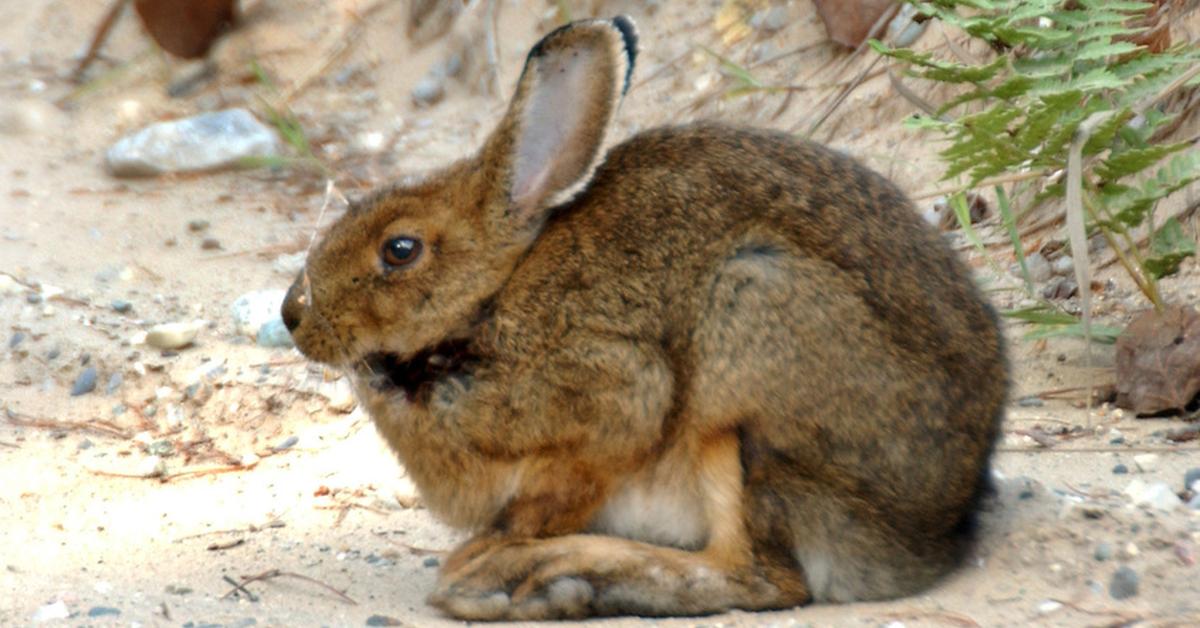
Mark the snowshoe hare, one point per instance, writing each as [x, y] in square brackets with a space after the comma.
[715, 368]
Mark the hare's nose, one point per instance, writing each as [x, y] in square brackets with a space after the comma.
[293, 306]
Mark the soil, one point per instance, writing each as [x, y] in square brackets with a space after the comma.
[264, 469]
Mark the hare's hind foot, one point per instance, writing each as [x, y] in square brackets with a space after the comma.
[571, 577]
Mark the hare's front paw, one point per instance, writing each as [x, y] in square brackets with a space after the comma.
[514, 581]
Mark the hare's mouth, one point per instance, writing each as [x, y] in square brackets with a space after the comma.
[416, 375]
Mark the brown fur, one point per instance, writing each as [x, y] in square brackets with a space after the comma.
[734, 371]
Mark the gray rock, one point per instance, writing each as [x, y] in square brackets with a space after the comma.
[286, 443]
[114, 382]
[15, 339]
[431, 561]
[1156, 495]
[1120, 469]
[1063, 266]
[274, 333]
[1039, 268]
[121, 306]
[33, 298]
[204, 142]
[198, 225]
[1124, 583]
[1103, 552]
[429, 90]
[1030, 402]
[383, 620]
[1191, 477]
[1194, 502]
[173, 335]
[103, 611]
[85, 383]
[770, 20]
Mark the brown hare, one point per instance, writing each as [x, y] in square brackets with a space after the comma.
[715, 368]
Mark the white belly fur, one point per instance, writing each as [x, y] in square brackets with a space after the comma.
[662, 506]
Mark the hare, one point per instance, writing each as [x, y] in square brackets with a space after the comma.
[716, 368]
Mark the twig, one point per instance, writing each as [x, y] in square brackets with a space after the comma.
[957, 619]
[276, 573]
[8, 444]
[274, 523]
[97, 426]
[102, 32]
[419, 551]
[238, 587]
[216, 547]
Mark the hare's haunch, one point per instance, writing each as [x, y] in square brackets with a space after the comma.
[715, 368]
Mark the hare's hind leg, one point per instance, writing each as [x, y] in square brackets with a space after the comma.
[580, 575]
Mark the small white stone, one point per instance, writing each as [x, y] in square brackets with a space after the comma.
[253, 309]
[173, 335]
[1146, 462]
[1048, 606]
[8, 285]
[1154, 494]
[51, 612]
[1130, 550]
[152, 467]
[339, 393]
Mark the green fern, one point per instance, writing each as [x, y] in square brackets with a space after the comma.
[1058, 65]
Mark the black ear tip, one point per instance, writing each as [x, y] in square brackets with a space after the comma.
[628, 33]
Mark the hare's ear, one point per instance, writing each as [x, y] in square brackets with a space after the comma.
[549, 140]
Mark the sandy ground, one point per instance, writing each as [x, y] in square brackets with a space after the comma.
[333, 505]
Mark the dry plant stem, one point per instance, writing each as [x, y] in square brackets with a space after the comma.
[97, 426]
[1089, 450]
[955, 619]
[238, 588]
[986, 183]
[276, 573]
[102, 33]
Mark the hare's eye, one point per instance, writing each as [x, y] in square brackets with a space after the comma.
[401, 251]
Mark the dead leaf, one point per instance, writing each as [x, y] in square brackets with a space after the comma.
[1158, 361]
[186, 28]
[849, 22]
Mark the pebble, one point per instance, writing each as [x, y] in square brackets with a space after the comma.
[151, 467]
[254, 309]
[15, 339]
[429, 90]
[173, 335]
[33, 298]
[286, 443]
[1039, 268]
[1120, 469]
[1194, 502]
[8, 285]
[121, 306]
[384, 620]
[210, 244]
[1030, 401]
[1103, 552]
[197, 225]
[85, 383]
[1063, 266]
[1146, 462]
[340, 394]
[162, 447]
[1154, 494]
[771, 19]
[51, 612]
[289, 264]
[1124, 583]
[1048, 606]
[274, 333]
[1190, 478]
[85, 444]
[431, 561]
[114, 382]
[102, 611]
[204, 142]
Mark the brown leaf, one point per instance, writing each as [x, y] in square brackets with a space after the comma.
[186, 28]
[1158, 361]
[849, 22]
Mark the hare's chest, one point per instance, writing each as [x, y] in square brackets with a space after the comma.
[657, 508]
